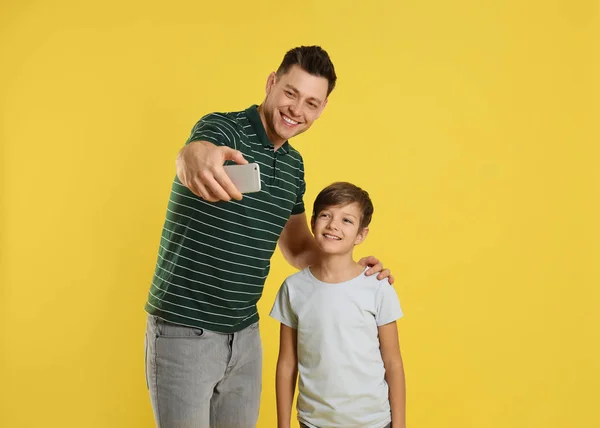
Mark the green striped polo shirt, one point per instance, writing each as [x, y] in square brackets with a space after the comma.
[214, 258]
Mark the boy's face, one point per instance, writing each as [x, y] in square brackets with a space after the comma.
[294, 101]
[337, 228]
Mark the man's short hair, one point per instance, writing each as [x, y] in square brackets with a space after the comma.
[343, 193]
[314, 60]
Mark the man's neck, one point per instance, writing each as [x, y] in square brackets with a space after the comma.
[336, 268]
[273, 139]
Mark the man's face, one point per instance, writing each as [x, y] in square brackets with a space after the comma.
[294, 101]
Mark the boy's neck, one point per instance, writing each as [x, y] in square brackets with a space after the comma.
[336, 268]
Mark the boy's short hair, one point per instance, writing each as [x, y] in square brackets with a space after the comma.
[314, 60]
[343, 193]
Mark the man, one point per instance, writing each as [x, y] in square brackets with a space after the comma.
[204, 356]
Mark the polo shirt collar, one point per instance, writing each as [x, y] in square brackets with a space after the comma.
[254, 119]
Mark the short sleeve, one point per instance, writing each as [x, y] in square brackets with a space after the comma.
[282, 308]
[387, 304]
[215, 129]
[299, 205]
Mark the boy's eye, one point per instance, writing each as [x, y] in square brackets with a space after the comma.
[347, 220]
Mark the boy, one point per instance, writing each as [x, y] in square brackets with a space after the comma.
[338, 328]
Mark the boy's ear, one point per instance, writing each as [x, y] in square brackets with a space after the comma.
[312, 224]
[362, 235]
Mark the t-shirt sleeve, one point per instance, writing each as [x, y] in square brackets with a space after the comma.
[215, 129]
[282, 308]
[387, 303]
[299, 205]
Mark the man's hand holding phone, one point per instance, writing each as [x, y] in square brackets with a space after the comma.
[200, 169]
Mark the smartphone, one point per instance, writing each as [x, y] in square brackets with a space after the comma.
[245, 177]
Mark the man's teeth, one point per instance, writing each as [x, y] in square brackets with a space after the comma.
[332, 237]
[288, 120]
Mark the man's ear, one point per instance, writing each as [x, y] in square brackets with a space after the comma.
[271, 80]
[322, 107]
[362, 235]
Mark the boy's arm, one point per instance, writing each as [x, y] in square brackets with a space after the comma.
[394, 372]
[299, 248]
[287, 373]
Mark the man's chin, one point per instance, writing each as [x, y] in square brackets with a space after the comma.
[289, 133]
[286, 134]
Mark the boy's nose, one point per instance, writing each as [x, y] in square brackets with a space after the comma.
[333, 225]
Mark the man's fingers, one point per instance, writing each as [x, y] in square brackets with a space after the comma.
[373, 264]
[203, 191]
[384, 274]
[215, 187]
[211, 196]
[191, 184]
[226, 184]
[370, 261]
[373, 269]
[234, 155]
[238, 157]
[207, 179]
[374, 261]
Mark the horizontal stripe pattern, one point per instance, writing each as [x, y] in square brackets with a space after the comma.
[213, 258]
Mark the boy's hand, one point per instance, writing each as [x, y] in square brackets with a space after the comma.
[375, 266]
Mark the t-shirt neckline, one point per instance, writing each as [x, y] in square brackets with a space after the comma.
[335, 283]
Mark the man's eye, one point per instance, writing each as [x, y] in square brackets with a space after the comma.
[312, 105]
[289, 94]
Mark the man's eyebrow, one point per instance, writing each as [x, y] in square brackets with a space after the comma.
[292, 88]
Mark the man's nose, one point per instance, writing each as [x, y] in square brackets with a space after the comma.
[296, 108]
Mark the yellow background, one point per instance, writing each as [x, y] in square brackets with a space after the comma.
[474, 125]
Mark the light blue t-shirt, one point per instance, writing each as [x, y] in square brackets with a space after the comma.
[341, 373]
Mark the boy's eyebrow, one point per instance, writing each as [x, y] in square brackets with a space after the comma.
[293, 89]
[350, 215]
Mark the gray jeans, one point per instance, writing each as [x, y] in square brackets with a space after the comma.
[306, 426]
[202, 379]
